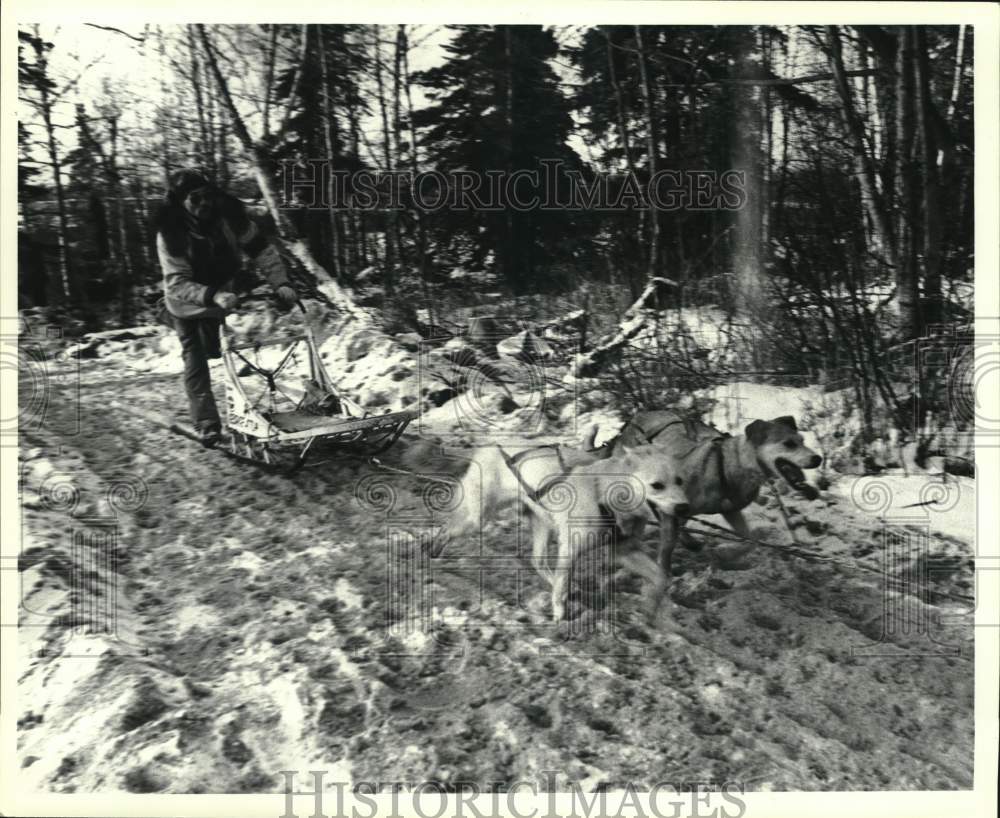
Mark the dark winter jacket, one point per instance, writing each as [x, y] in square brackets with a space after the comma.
[198, 259]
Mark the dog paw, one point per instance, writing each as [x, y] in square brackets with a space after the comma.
[808, 491]
[690, 542]
[731, 555]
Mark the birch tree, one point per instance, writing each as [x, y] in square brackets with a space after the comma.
[43, 99]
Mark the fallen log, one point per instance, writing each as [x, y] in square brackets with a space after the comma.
[635, 319]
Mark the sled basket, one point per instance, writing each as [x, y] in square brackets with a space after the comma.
[281, 406]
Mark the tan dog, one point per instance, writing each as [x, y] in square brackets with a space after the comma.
[540, 479]
[722, 474]
[607, 503]
[495, 481]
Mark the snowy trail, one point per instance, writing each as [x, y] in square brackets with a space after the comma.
[261, 638]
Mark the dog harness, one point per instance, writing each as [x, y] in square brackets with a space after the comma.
[536, 494]
[533, 494]
[691, 432]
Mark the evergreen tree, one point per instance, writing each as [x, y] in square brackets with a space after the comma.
[323, 125]
[496, 106]
[697, 120]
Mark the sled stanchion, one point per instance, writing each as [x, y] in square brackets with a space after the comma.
[298, 413]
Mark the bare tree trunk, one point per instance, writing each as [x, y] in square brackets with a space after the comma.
[508, 263]
[856, 133]
[126, 273]
[932, 198]
[65, 268]
[647, 98]
[623, 135]
[223, 151]
[211, 149]
[867, 114]
[359, 258]
[886, 53]
[959, 70]
[415, 169]
[142, 219]
[199, 102]
[789, 61]
[907, 293]
[397, 127]
[165, 128]
[328, 115]
[269, 58]
[619, 103]
[390, 216]
[767, 134]
[297, 79]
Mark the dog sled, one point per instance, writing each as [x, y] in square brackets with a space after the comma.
[282, 407]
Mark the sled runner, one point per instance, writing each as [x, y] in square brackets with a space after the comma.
[278, 417]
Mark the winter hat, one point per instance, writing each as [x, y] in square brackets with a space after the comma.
[183, 181]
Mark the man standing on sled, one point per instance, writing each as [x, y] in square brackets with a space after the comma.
[201, 234]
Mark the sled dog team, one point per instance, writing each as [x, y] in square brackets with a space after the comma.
[661, 467]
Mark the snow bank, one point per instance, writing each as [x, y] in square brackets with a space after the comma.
[741, 402]
[947, 508]
[370, 367]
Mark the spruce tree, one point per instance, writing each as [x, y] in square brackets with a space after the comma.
[496, 106]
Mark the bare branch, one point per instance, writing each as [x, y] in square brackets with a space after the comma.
[139, 39]
[297, 80]
[773, 81]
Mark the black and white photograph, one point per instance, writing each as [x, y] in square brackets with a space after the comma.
[590, 406]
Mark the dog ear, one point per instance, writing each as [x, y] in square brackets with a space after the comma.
[628, 456]
[786, 420]
[756, 432]
[631, 437]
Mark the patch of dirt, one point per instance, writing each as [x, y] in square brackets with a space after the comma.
[257, 623]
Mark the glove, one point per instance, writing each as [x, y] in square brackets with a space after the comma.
[287, 295]
[228, 301]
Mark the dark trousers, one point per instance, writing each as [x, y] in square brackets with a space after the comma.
[199, 342]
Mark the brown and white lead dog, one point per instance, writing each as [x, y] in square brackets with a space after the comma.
[722, 474]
